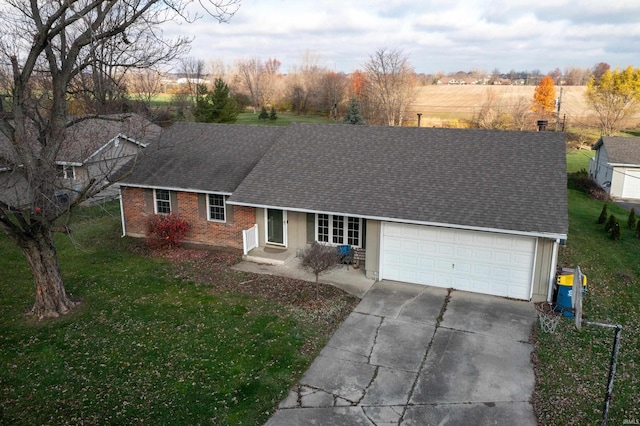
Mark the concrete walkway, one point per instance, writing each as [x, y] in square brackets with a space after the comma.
[351, 280]
[417, 355]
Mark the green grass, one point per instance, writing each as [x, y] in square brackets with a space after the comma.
[284, 119]
[574, 364]
[578, 159]
[145, 346]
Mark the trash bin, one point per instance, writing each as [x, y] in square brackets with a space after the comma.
[564, 295]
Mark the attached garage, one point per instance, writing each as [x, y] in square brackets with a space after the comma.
[476, 261]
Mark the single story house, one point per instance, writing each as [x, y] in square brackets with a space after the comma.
[616, 166]
[475, 210]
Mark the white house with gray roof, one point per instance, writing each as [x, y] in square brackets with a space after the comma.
[466, 209]
[616, 166]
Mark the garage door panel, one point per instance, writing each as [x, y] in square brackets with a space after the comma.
[462, 259]
[631, 184]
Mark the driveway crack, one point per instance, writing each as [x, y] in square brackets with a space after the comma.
[424, 358]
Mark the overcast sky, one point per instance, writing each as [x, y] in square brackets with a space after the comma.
[442, 35]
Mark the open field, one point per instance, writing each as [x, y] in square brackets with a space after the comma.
[440, 103]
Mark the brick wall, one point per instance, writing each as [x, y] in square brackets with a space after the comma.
[138, 207]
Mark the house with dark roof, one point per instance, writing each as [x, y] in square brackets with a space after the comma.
[94, 149]
[467, 209]
[616, 166]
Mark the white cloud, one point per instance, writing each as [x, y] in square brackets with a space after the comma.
[449, 36]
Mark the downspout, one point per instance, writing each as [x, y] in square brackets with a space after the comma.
[552, 273]
[124, 229]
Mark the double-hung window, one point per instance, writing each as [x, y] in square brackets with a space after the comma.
[163, 201]
[339, 230]
[66, 172]
[216, 207]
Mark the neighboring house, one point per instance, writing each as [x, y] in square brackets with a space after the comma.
[616, 166]
[93, 150]
[465, 209]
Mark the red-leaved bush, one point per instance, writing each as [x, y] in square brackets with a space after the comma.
[166, 231]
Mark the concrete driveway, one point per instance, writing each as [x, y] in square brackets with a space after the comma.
[417, 355]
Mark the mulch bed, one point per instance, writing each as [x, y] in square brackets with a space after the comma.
[212, 267]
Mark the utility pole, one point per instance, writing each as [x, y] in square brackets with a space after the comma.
[559, 101]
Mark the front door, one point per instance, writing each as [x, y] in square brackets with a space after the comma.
[277, 227]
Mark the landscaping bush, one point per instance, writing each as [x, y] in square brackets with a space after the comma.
[166, 231]
[631, 223]
[608, 227]
[603, 215]
[615, 231]
[581, 181]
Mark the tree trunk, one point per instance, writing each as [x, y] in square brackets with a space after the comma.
[51, 297]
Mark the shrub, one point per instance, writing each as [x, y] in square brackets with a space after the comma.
[166, 231]
[608, 227]
[638, 230]
[632, 219]
[581, 181]
[603, 215]
[615, 231]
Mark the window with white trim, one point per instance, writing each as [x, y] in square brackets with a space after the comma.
[339, 230]
[66, 172]
[216, 207]
[163, 201]
[353, 231]
[323, 228]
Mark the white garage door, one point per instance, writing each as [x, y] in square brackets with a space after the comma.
[631, 188]
[482, 262]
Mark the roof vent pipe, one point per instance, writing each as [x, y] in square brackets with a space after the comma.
[542, 125]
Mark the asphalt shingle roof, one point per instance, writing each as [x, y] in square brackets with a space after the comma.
[513, 181]
[620, 150]
[202, 156]
[86, 137]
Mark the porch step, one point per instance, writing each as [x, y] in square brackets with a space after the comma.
[268, 256]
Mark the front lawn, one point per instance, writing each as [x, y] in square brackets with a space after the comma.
[572, 366]
[154, 341]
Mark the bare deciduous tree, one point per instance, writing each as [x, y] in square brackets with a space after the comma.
[144, 84]
[192, 70]
[391, 85]
[48, 46]
[319, 259]
[251, 74]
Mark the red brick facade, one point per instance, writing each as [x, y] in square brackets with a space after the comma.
[138, 207]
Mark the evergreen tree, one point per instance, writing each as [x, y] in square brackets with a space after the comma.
[263, 113]
[353, 116]
[603, 215]
[632, 219]
[216, 106]
[608, 227]
[272, 115]
[615, 232]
